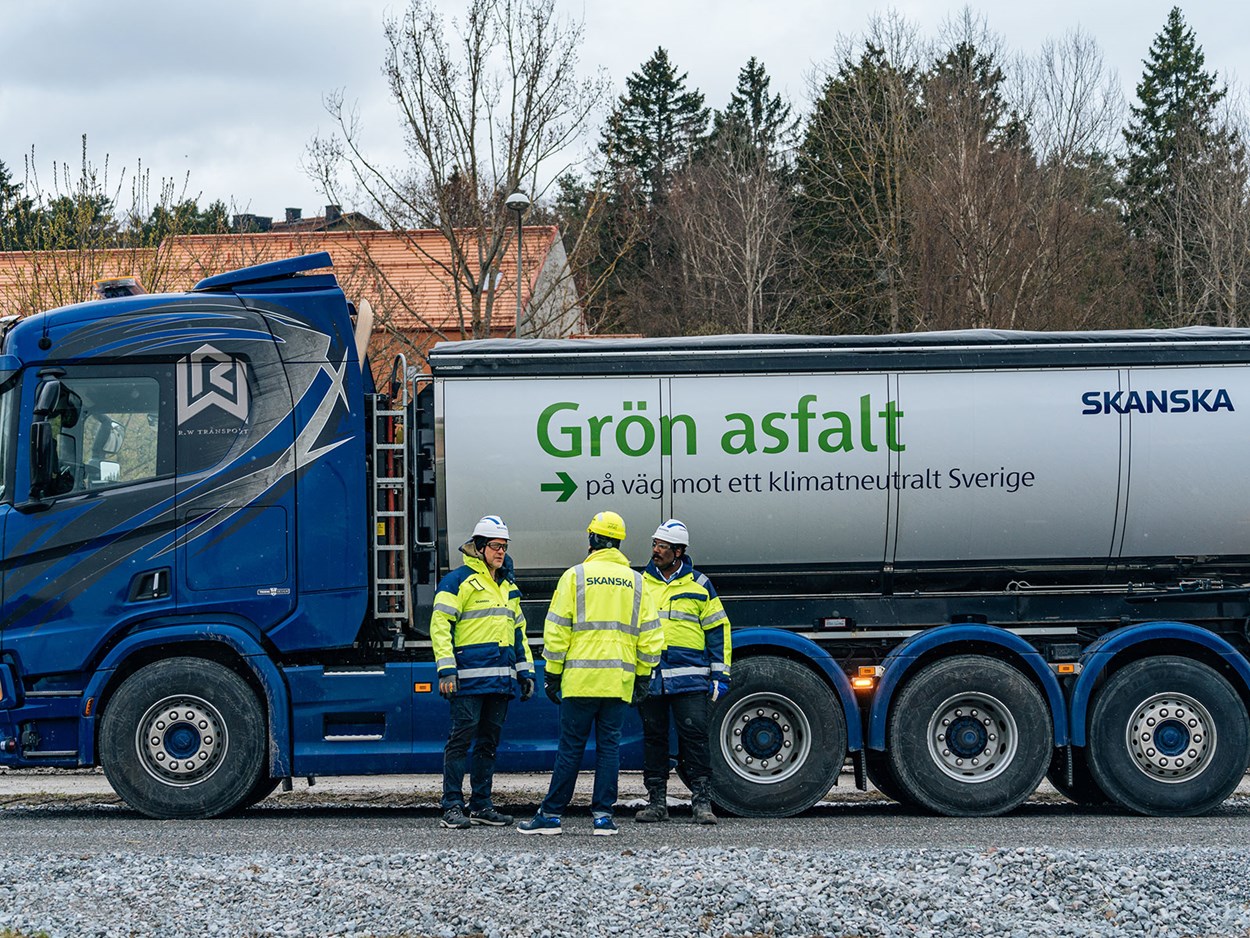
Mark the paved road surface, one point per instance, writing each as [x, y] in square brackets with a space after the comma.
[78, 813]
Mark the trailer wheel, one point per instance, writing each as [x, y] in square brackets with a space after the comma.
[183, 738]
[881, 776]
[1168, 737]
[1084, 789]
[969, 736]
[778, 739]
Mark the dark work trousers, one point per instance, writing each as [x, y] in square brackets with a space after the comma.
[476, 719]
[577, 716]
[690, 713]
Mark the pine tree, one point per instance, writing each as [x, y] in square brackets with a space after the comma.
[11, 211]
[1174, 116]
[852, 168]
[658, 125]
[1176, 143]
[755, 122]
[968, 81]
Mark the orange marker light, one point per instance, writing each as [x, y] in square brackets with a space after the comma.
[422, 688]
[1066, 668]
[863, 683]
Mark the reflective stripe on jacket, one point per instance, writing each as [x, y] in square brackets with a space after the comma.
[477, 629]
[601, 628]
[696, 631]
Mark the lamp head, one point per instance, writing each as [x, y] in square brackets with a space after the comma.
[518, 202]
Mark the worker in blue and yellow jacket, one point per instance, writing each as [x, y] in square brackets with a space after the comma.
[478, 633]
[600, 642]
[693, 673]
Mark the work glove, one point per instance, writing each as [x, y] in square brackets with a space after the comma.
[551, 686]
[447, 686]
[527, 688]
[642, 690]
[718, 690]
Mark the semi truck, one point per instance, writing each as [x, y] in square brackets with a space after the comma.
[955, 563]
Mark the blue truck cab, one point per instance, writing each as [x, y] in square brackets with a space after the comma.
[178, 470]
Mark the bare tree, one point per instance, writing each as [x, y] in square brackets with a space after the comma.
[1208, 225]
[733, 217]
[856, 158]
[485, 108]
[1014, 226]
[76, 226]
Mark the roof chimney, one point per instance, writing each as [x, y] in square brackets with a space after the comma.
[293, 214]
[333, 213]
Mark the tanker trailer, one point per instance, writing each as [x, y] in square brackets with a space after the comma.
[964, 560]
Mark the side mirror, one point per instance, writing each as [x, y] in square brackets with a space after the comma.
[43, 462]
[48, 398]
[113, 438]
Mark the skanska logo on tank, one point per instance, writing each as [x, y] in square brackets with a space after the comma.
[1175, 401]
[817, 435]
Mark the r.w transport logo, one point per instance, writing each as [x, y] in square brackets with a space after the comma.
[210, 378]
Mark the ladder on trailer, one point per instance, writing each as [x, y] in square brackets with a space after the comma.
[390, 513]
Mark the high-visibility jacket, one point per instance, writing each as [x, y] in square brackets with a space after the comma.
[477, 628]
[601, 629]
[696, 631]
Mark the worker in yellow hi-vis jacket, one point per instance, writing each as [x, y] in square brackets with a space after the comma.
[602, 637]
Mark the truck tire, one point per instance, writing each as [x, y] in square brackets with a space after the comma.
[1168, 737]
[260, 791]
[183, 738]
[778, 739]
[877, 764]
[1002, 749]
[1084, 789]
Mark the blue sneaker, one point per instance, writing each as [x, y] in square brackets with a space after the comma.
[605, 827]
[540, 824]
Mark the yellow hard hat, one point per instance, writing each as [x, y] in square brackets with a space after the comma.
[608, 524]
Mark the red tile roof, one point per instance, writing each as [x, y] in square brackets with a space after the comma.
[404, 274]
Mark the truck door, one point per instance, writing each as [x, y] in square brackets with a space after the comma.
[9, 398]
[235, 502]
[87, 552]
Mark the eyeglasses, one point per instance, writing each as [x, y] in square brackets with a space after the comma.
[661, 544]
[497, 545]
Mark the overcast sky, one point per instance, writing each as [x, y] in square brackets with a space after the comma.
[231, 92]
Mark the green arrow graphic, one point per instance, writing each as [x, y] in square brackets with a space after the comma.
[566, 487]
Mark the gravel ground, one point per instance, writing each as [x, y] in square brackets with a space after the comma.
[669, 891]
[581, 885]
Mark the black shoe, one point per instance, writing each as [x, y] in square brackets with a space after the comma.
[490, 817]
[455, 818]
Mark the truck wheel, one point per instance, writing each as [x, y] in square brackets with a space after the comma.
[1084, 789]
[969, 736]
[183, 738]
[260, 791]
[882, 777]
[1168, 737]
[778, 739]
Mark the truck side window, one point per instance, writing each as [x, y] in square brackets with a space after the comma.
[110, 438]
[8, 428]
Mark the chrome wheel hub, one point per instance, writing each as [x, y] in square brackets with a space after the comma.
[765, 738]
[972, 737]
[181, 740]
[1171, 737]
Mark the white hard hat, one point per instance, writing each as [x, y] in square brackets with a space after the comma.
[491, 526]
[672, 531]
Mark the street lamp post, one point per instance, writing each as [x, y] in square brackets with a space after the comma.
[518, 202]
